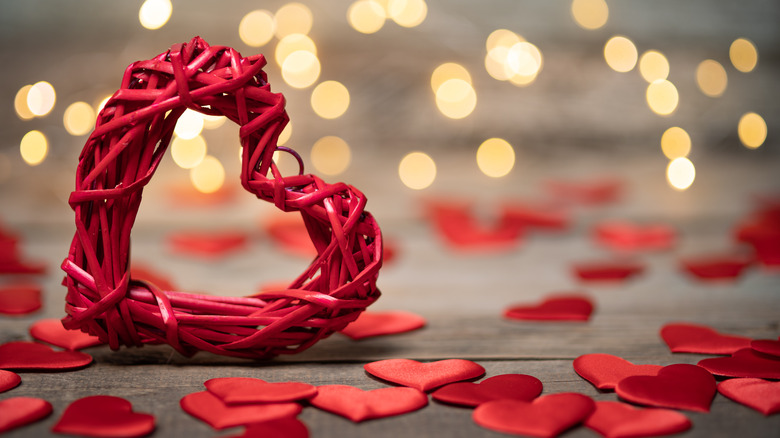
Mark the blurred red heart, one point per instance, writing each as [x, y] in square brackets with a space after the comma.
[34, 356]
[358, 405]
[744, 363]
[546, 416]
[424, 376]
[625, 235]
[695, 338]
[604, 371]
[597, 190]
[145, 273]
[759, 394]
[766, 346]
[370, 324]
[289, 232]
[608, 270]
[104, 416]
[678, 386]
[554, 308]
[209, 244]
[505, 386]
[52, 332]
[534, 216]
[243, 390]
[614, 419]
[207, 407]
[19, 299]
[716, 267]
[18, 411]
[456, 223]
[283, 427]
[8, 380]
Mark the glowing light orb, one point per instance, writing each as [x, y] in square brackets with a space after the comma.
[495, 157]
[34, 147]
[752, 130]
[331, 155]
[620, 54]
[417, 170]
[680, 173]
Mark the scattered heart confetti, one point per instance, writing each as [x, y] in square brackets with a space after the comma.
[186, 195]
[624, 235]
[19, 411]
[8, 380]
[766, 346]
[243, 390]
[52, 332]
[459, 228]
[208, 244]
[283, 427]
[694, 338]
[678, 386]
[619, 420]
[546, 416]
[588, 191]
[762, 232]
[604, 371]
[207, 407]
[744, 363]
[34, 356]
[716, 267]
[529, 216]
[370, 324]
[104, 416]
[608, 270]
[145, 273]
[19, 299]
[358, 405]
[505, 386]
[289, 232]
[759, 394]
[10, 258]
[424, 376]
[553, 308]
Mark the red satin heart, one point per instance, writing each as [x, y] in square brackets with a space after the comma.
[19, 411]
[505, 386]
[604, 371]
[10, 258]
[52, 332]
[744, 363]
[207, 407]
[586, 191]
[358, 405]
[19, 299]
[759, 394]
[147, 274]
[35, 356]
[104, 416]
[554, 308]
[546, 416]
[370, 324]
[766, 346]
[8, 380]
[762, 232]
[679, 386]
[243, 390]
[716, 267]
[619, 420]
[609, 270]
[695, 338]
[208, 244]
[462, 231]
[624, 235]
[525, 216]
[424, 376]
[283, 427]
[289, 232]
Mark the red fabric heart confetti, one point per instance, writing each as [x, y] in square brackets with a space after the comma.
[629, 236]
[679, 386]
[370, 324]
[243, 390]
[52, 332]
[8, 380]
[762, 232]
[289, 232]
[505, 386]
[147, 274]
[424, 376]
[104, 416]
[19, 299]
[766, 346]
[608, 270]
[587, 191]
[546, 416]
[534, 216]
[283, 427]
[19, 411]
[744, 363]
[619, 420]
[10, 258]
[759, 394]
[459, 228]
[716, 267]
[207, 407]
[34, 356]
[553, 308]
[604, 371]
[358, 405]
[185, 195]
[208, 244]
[694, 338]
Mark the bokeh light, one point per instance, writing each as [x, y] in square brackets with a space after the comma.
[208, 176]
[20, 103]
[680, 173]
[366, 16]
[675, 143]
[662, 97]
[293, 43]
[495, 157]
[417, 170]
[212, 122]
[301, 69]
[590, 14]
[101, 104]
[79, 118]
[292, 18]
[407, 13]
[330, 99]
[743, 55]
[189, 125]
[188, 153]
[620, 54]
[653, 66]
[155, 13]
[41, 98]
[711, 78]
[446, 71]
[456, 98]
[752, 130]
[284, 136]
[502, 38]
[330, 155]
[256, 28]
[34, 147]
[524, 59]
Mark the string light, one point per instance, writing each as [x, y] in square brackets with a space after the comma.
[256, 28]
[155, 13]
[456, 98]
[41, 98]
[301, 69]
[590, 14]
[292, 18]
[653, 66]
[495, 157]
[407, 13]
[662, 97]
[752, 130]
[79, 118]
[675, 143]
[417, 170]
[743, 55]
[711, 78]
[446, 71]
[366, 16]
[188, 153]
[680, 173]
[20, 103]
[620, 54]
[330, 155]
[34, 147]
[293, 43]
[189, 125]
[330, 99]
[208, 176]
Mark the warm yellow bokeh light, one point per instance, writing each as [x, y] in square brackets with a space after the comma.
[495, 157]
[495, 63]
[301, 69]
[620, 54]
[41, 98]
[189, 125]
[675, 143]
[286, 163]
[34, 147]
[330, 155]
[407, 13]
[680, 173]
[102, 104]
[212, 122]
[188, 153]
[79, 118]
[590, 14]
[446, 71]
[456, 98]
[256, 28]
[752, 130]
[653, 66]
[155, 13]
[20, 103]
[417, 170]
[662, 97]
[208, 176]
[743, 55]
[524, 59]
[330, 99]
[292, 18]
[284, 136]
[502, 38]
[711, 78]
[366, 16]
[293, 43]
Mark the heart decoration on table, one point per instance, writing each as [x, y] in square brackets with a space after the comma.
[678, 386]
[52, 332]
[504, 386]
[762, 232]
[766, 346]
[371, 324]
[759, 394]
[696, 338]
[625, 235]
[19, 299]
[546, 416]
[19, 411]
[534, 216]
[619, 420]
[32, 356]
[242, 390]
[283, 427]
[208, 244]
[716, 267]
[11, 261]
[597, 190]
[290, 234]
[604, 371]
[607, 270]
[9, 380]
[459, 228]
[208, 408]
[559, 307]
[744, 363]
[424, 376]
[358, 405]
[104, 416]
[149, 275]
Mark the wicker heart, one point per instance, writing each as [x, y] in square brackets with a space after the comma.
[611, 270]
[505, 386]
[358, 405]
[744, 363]
[207, 407]
[766, 346]
[209, 245]
[759, 394]
[694, 338]
[35, 356]
[604, 371]
[716, 267]
[120, 157]
[19, 299]
[52, 332]
[370, 324]
[623, 235]
[104, 416]
[424, 376]
[554, 308]
[8, 380]
[615, 420]
[243, 390]
[18, 411]
[546, 416]
[679, 386]
[283, 427]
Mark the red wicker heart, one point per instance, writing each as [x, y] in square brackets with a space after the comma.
[120, 157]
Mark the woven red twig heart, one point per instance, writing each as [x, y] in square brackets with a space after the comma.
[120, 157]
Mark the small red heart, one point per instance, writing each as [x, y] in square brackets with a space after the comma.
[370, 324]
[8, 380]
[283, 427]
[104, 416]
[424, 376]
[209, 244]
[207, 407]
[147, 274]
[608, 270]
[461, 230]
[619, 420]
[716, 267]
[525, 216]
[52, 332]
[604, 371]
[694, 338]
[587, 191]
[289, 232]
[35, 356]
[762, 232]
[358, 405]
[546, 416]
[554, 308]
[19, 299]
[18, 411]
[678, 386]
[625, 235]
[505, 386]
[744, 363]
[243, 390]
[766, 346]
[759, 394]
